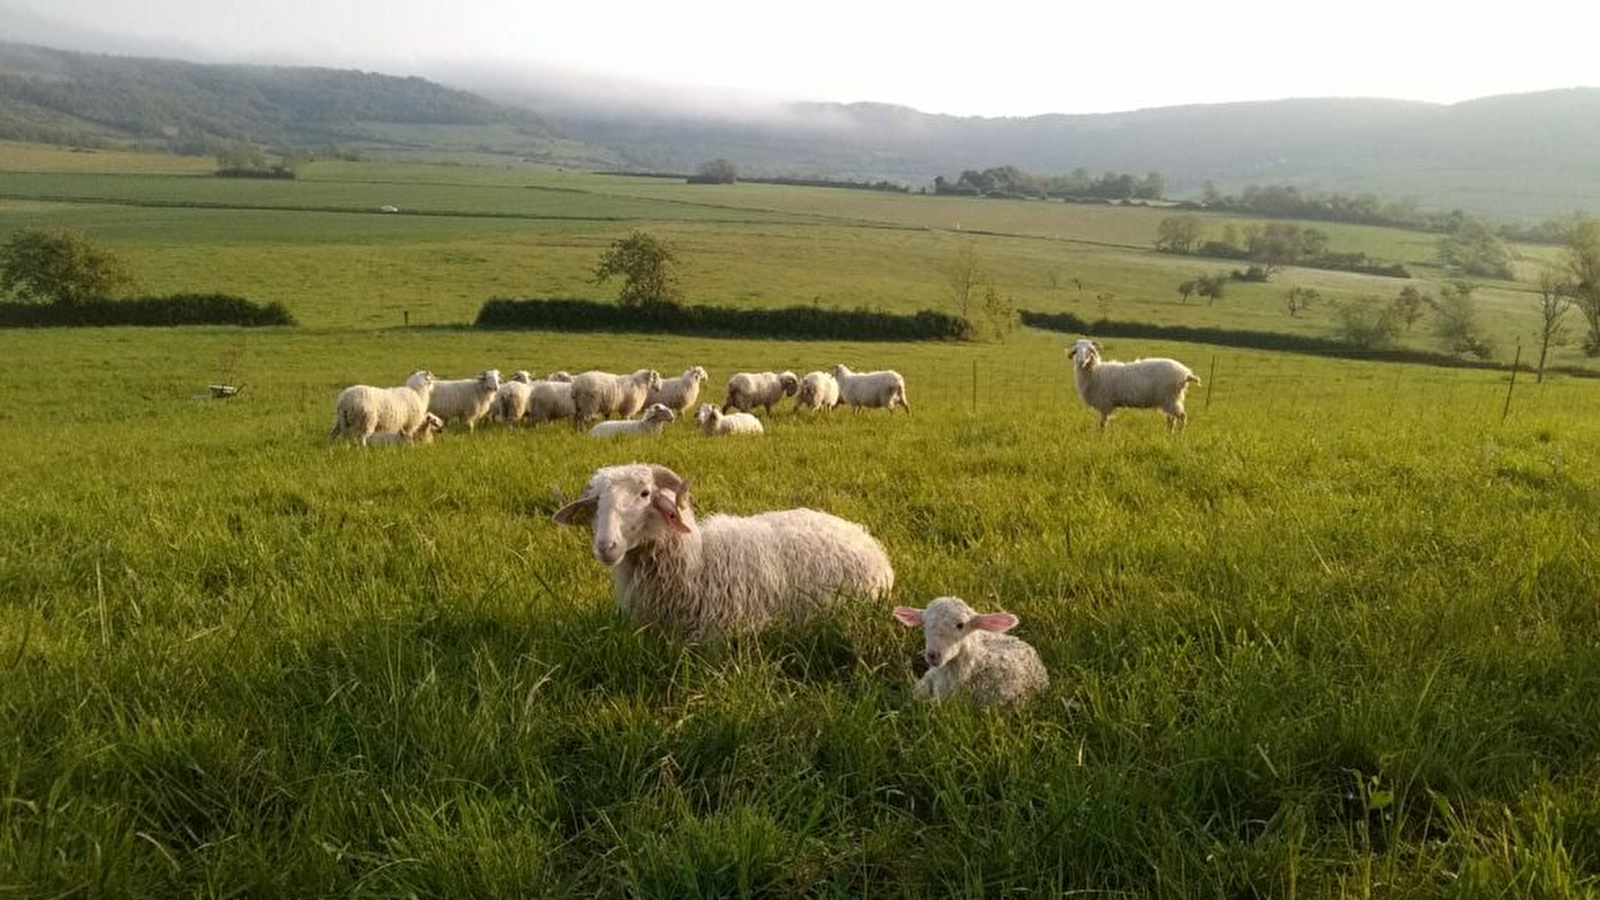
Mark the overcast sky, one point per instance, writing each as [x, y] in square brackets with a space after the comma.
[1001, 57]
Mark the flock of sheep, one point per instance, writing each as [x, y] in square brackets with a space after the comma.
[741, 574]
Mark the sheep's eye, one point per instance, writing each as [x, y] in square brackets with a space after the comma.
[645, 494]
[960, 625]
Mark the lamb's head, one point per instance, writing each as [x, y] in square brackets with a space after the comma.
[840, 371]
[431, 425]
[707, 415]
[790, 383]
[650, 379]
[561, 376]
[1085, 354]
[658, 413]
[522, 375]
[696, 374]
[489, 380]
[421, 381]
[630, 506]
[947, 623]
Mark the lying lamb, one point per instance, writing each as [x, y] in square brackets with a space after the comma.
[363, 410]
[712, 421]
[1106, 385]
[654, 419]
[729, 574]
[971, 655]
[431, 425]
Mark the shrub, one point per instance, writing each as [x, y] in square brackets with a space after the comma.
[808, 322]
[177, 309]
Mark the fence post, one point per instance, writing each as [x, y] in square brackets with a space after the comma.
[1211, 380]
[405, 317]
[1514, 363]
[974, 387]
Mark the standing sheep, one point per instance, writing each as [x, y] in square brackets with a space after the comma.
[712, 422]
[1142, 384]
[511, 401]
[550, 400]
[970, 654]
[680, 393]
[729, 574]
[466, 399]
[886, 389]
[602, 394]
[654, 419]
[747, 390]
[818, 390]
[363, 410]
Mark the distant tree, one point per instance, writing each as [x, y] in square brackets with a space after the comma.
[1001, 312]
[1474, 249]
[1367, 323]
[1455, 321]
[58, 265]
[1186, 289]
[717, 171]
[1179, 234]
[241, 156]
[1211, 287]
[1582, 259]
[1555, 300]
[1410, 305]
[646, 264]
[965, 276]
[1299, 299]
[1278, 244]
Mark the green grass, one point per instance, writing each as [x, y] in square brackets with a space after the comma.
[1339, 638]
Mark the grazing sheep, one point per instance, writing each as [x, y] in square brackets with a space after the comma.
[511, 401]
[549, 400]
[363, 410]
[1142, 384]
[747, 390]
[818, 390]
[654, 419]
[680, 393]
[431, 425]
[728, 574]
[970, 655]
[885, 389]
[602, 394]
[467, 399]
[712, 421]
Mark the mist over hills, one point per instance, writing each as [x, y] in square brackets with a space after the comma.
[1515, 156]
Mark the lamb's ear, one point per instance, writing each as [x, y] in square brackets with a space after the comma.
[1000, 621]
[578, 512]
[910, 617]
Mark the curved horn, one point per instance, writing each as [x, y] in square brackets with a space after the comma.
[667, 478]
[683, 493]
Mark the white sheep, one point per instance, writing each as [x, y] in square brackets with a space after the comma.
[549, 400]
[818, 390]
[654, 419]
[680, 393]
[511, 401]
[970, 655]
[747, 390]
[713, 422]
[431, 425]
[604, 395]
[466, 399]
[363, 410]
[728, 574]
[1107, 384]
[885, 389]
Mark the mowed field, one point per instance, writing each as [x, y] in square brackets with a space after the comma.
[1341, 637]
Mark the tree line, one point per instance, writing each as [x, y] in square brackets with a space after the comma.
[1269, 247]
[1010, 181]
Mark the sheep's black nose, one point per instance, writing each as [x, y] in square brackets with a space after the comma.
[932, 657]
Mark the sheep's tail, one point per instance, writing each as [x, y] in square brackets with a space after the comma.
[338, 426]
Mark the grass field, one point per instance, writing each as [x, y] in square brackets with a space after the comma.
[1340, 638]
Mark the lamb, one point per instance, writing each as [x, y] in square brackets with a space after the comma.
[818, 390]
[713, 422]
[729, 574]
[604, 395]
[654, 419]
[511, 401]
[431, 425]
[363, 410]
[466, 399]
[747, 390]
[680, 393]
[1142, 384]
[885, 389]
[970, 655]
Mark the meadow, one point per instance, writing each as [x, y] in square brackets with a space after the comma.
[1340, 638]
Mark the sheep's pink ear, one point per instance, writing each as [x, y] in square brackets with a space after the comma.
[578, 512]
[668, 509]
[910, 617]
[1000, 621]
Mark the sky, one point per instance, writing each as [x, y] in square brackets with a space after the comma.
[994, 58]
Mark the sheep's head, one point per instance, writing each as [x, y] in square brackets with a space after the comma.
[947, 623]
[789, 382]
[522, 375]
[1085, 354]
[707, 413]
[840, 371]
[697, 374]
[564, 377]
[658, 412]
[489, 379]
[649, 378]
[421, 380]
[630, 506]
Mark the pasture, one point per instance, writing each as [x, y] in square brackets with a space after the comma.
[1339, 638]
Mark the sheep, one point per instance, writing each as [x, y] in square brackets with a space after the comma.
[713, 422]
[550, 399]
[511, 401]
[364, 410]
[871, 389]
[680, 393]
[970, 655]
[431, 425]
[818, 390]
[728, 574]
[747, 390]
[1142, 384]
[604, 395]
[467, 399]
[655, 418]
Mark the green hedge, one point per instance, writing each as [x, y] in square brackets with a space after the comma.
[177, 309]
[803, 322]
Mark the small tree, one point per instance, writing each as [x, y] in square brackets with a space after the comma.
[1555, 300]
[646, 264]
[1186, 289]
[1001, 311]
[966, 276]
[1475, 249]
[1179, 234]
[241, 156]
[1410, 304]
[1211, 287]
[1582, 260]
[58, 265]
[1456, 321]
[1299, 299]
[1368, 323]
[718, 171]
